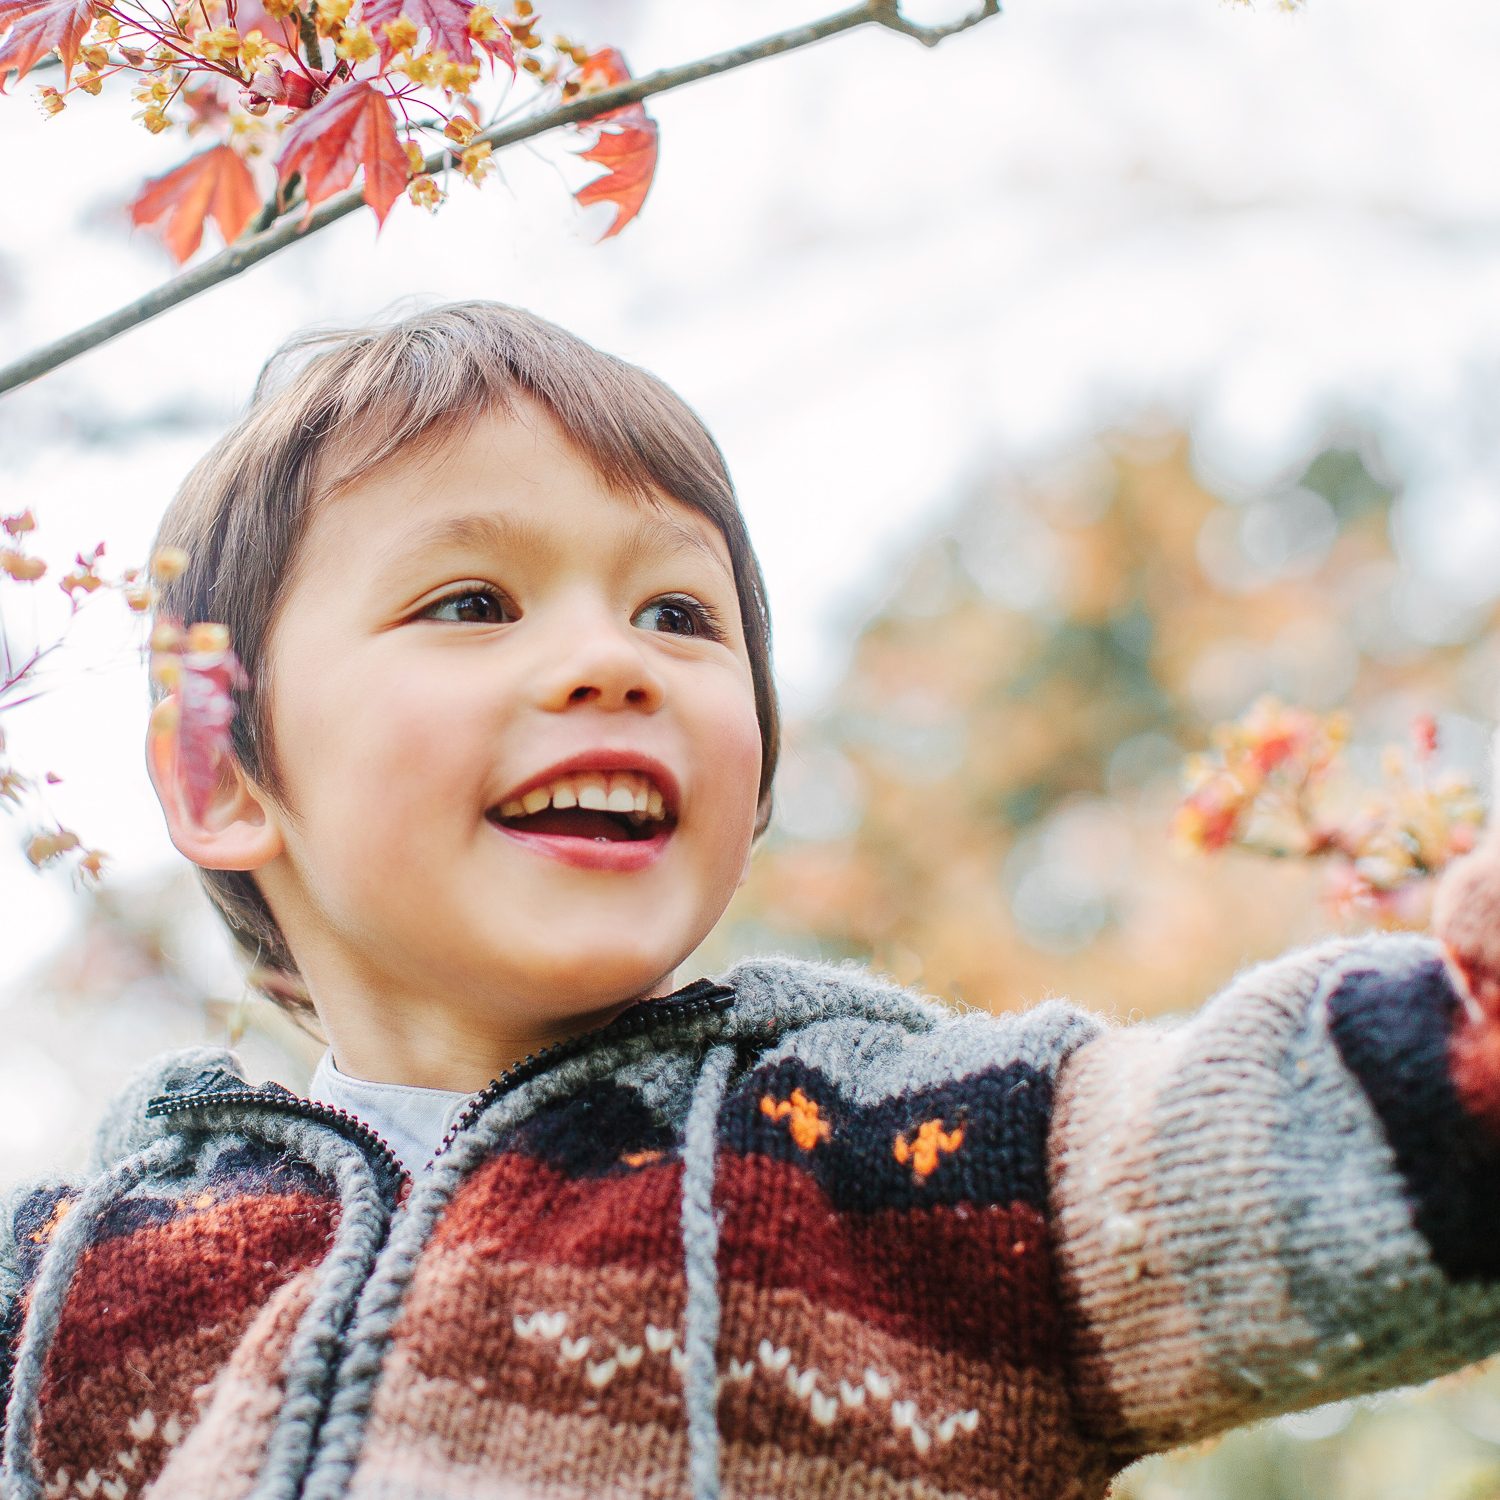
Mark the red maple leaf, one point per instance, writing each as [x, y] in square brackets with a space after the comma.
[626, 145]
[447, 22]
[36, 27]
[352, 126]
[209, 111]
[216, 183]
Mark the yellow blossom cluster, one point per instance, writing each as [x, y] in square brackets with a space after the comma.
[425, 193]
[357, 44]
[199, 65]
[331, 15]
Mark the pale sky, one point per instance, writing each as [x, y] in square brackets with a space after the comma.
[872, 268]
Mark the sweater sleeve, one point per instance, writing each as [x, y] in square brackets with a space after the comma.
[1279, 1203]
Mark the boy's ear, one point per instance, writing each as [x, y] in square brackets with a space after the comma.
[236, 828]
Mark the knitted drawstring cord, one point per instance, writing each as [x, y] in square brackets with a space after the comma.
[700, 1244]
[363, 1217]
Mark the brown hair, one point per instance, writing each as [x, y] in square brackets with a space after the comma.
[364, 395]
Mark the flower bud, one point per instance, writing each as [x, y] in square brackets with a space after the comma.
[47, 846]
[168, 563]
[401, 34]
[207, 638]
[20, 567]
[165, 717]
[424, 192]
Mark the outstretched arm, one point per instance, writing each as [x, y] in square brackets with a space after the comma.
[1284, 1201]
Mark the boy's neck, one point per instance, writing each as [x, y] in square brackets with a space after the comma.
[459, 1049]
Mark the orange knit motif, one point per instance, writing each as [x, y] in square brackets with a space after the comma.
[806, 1126]
[923, 1153]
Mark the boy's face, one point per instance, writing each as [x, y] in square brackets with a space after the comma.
[481, 645]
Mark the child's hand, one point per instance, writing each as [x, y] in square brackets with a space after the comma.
[1466, 920]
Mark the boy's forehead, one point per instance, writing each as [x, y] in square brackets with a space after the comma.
[509, 481]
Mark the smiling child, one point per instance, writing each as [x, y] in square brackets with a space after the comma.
[548, 1225]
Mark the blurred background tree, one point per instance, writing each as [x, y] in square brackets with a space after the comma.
[983, 808]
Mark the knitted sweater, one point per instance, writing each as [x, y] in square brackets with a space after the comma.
[799, 1233]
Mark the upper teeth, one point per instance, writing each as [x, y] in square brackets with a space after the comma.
[598, 791]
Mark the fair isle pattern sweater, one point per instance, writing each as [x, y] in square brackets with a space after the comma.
[797, 1234]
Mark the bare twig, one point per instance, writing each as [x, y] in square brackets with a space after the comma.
[888, 13]
[15, 676]
[266, 238]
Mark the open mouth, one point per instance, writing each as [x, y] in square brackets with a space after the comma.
[608, 807]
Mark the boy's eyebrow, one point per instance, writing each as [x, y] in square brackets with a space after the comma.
[486, 533]
[666, 533]
[655, 532]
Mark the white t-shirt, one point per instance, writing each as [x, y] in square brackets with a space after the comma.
[411, 1121]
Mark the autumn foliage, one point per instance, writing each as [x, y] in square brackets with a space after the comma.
[351, 128]
[626, 145]
[1271, 785]
[215, 184]
[35, 30]
[302, 98]
[991, 804]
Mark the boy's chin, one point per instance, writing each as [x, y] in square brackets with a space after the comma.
[581, 971]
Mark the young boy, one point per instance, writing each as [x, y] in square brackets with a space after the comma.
[550, 1227]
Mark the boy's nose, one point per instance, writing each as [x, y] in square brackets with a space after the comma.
[601, 666]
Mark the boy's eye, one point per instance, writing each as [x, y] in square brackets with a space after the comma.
[471, 607]
[675, 617]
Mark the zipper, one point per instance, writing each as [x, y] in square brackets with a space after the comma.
[701, 998]
[282, 1101]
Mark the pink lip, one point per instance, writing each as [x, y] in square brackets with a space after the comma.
[623, 857]
[605, 760]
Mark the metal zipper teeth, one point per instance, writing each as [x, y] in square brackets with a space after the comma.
[634, 1022]
[340, 1120]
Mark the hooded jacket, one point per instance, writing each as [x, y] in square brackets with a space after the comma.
[796, 1233]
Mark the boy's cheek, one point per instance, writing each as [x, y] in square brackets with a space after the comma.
[730, 757]
[389, 818]
[382, 742]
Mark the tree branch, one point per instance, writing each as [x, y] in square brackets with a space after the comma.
[888, 13]
[265, 239]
